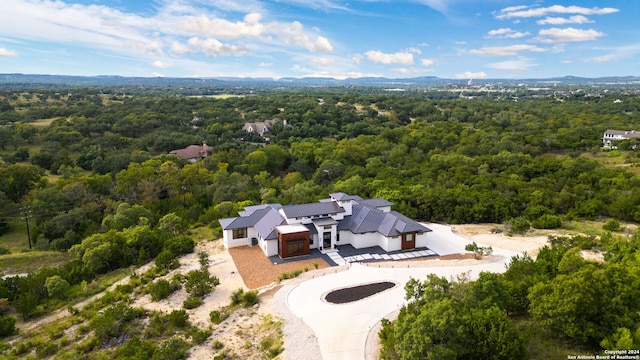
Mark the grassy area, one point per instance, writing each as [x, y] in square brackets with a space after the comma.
[16, 239]
[29, 261]
[544, 345]
[616, 159]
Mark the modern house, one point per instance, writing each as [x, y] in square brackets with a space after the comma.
[617, 135]
[294, 230]
[193, 152]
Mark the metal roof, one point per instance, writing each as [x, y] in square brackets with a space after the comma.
[306, 210]
[366, 219]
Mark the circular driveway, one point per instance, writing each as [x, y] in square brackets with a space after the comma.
[342, 329]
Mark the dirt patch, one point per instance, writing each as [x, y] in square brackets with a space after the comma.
[257, 270]
[493, 235]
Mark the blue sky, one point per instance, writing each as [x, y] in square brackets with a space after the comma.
[466, 39]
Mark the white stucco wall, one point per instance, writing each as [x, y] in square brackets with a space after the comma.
[230, 242]
[269, 247]
[421, 240]
[360, 241]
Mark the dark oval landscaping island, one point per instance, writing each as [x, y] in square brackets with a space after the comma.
[356, 293]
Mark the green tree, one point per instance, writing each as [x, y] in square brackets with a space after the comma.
[57, 287]
[199, 283]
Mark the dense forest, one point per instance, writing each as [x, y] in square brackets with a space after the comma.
[90, 171]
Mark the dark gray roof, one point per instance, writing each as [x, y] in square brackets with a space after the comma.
[375, 203]
[342, 196]
[365, 219]
[305, 210]
[262, 219]
[250, 209]
[266, 225]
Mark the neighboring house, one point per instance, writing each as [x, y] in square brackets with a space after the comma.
[617, 135]
[193, 152]
[294, 230]
[262, 127]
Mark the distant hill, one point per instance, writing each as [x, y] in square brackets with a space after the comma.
[30, 81]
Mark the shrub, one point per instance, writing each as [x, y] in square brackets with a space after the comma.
[611, 225]
[217, 317]
[166, 260]
[519, 225]
[547, 221]
[179, 318]
[217, 344]
[3, 251]
[289, 275]
[478, 251]
[180, 245]
[172, 349]
[192, 302]
[199, 336]
[160, 289]
[200, 283]
[247, 299]
[7, 326]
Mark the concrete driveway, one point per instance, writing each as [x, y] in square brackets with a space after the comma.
[342, 329]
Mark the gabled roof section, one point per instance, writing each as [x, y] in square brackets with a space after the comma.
[306, 210]
[248, 210]
[249, 221]
[267, 224]
[193, 151]
[340, 196]
[375, 203]
[367, 219]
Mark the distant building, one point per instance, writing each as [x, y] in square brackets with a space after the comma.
[617, 135]
[262, 127]
[342, 219]
[193, 152]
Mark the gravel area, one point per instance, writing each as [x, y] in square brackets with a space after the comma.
[257, 270]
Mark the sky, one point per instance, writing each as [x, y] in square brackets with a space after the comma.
[463, 39]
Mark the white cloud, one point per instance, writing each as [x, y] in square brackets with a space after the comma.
[427, 62]
[322, 61]
[402, 57]
[213, 47]
[7, 53]
[567, 35]
[506, 50]
[576, 19]
[265, 65]
[181, 49]
[250, 26]
[160, 65]
[517, 66]
[602, 59]
[357, 59]
[526, 12]
[506, 33]
[155, 74]
[471, 75]
[294, 34]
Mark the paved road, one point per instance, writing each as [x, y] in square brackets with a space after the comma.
[342, 329]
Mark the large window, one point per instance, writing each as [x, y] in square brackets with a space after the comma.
[240, 233]
[295, 247]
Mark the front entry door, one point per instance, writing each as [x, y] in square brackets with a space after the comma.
[408, 241]
[326, 240]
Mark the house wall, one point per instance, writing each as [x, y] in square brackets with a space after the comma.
[421, 240]
[360, 241]
[230, 242]
[269, 247]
